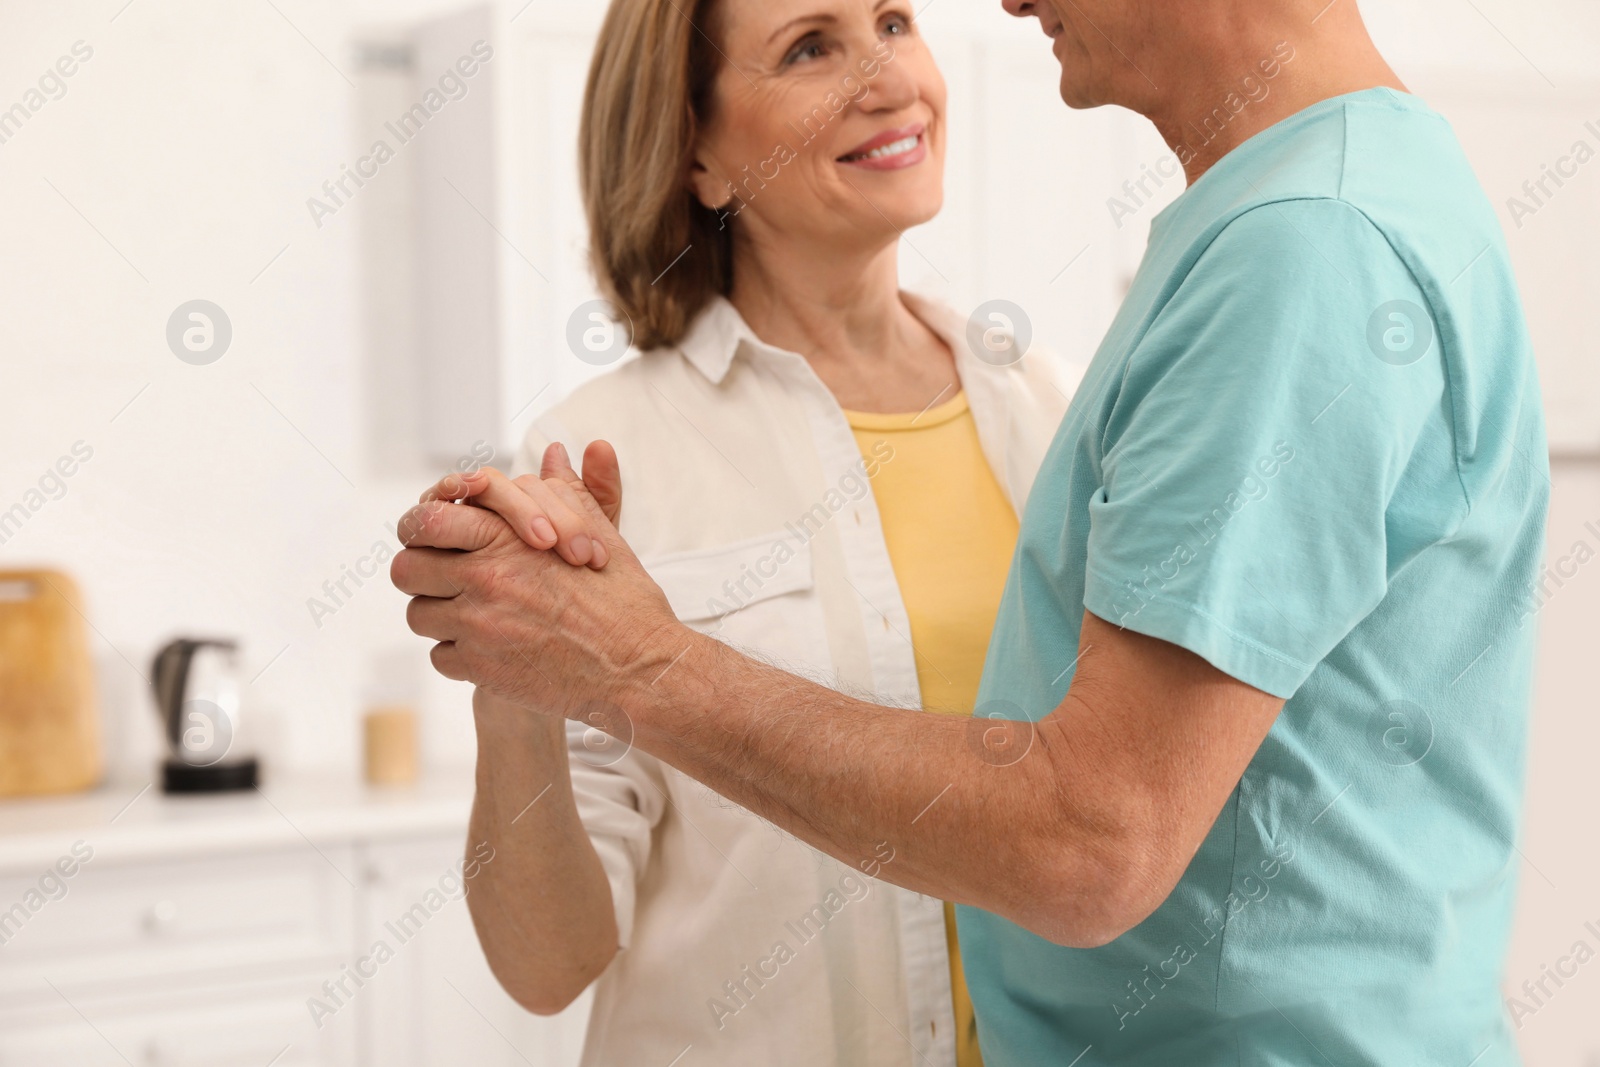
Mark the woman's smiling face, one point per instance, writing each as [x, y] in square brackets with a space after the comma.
[826, 121]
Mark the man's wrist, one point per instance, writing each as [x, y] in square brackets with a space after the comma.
[673, 667]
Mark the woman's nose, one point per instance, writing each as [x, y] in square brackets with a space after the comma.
[895, 87]
[1020, 8]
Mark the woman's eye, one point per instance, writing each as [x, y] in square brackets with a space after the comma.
[896, 25]
[808, 48]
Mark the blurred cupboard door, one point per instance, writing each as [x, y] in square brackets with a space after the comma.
[177, 959]
[500, 260]
[435, 1000]
[241, 1025]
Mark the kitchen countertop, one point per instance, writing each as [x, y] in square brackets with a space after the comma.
[139, 822]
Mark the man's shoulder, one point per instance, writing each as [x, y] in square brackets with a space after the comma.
[1354, 181]
[1376, 204]
[1398, 165]
[1309, 243]
[1372, 149]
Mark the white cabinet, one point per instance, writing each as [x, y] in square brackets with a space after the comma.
[150, 922]
[237, 1024]
[435, 1001]
[175, 960]
[245, 931]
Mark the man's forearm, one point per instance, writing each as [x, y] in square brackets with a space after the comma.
[1077, 830]
[992, 828]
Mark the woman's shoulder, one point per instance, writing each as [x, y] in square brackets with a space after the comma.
[650, 393]
[634, 377]
[615, 405]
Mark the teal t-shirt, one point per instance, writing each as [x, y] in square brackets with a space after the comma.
[1311, 451]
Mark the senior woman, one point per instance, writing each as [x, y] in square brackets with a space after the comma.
[826, 474]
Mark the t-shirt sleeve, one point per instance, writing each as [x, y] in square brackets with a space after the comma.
[1263, 425]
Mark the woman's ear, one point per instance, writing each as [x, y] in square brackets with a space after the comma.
[711, 191]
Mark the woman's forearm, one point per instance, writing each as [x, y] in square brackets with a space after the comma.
[543, 907]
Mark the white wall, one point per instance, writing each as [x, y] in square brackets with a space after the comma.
[221, 498]
[1560, 878]
[178, 166]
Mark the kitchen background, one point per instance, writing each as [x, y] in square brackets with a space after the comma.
[368, 338]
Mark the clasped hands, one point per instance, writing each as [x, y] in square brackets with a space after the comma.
[529, 590]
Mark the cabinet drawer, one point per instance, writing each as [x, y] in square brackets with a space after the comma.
[150, 920]
[227, 1026]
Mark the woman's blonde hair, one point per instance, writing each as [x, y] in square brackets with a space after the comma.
[648, 96]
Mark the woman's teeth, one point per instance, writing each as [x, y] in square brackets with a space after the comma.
[895, 148]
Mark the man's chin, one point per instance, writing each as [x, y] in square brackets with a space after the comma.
[1075, 94]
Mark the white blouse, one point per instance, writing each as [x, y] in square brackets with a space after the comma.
[744, 495]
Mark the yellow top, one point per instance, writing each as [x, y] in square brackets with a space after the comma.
[951, 531]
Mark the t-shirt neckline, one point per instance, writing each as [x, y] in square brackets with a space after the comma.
[925, 419]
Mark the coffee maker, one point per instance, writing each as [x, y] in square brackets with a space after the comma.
[197, 695]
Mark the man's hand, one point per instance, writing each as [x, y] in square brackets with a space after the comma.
[521, 623]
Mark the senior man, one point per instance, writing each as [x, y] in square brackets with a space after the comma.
[1265, 636]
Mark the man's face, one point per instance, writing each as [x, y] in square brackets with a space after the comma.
[1098, 44]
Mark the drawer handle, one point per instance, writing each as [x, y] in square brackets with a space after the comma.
[160, 917]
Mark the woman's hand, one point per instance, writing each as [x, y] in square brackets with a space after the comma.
[526, 626]
[548, 512]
